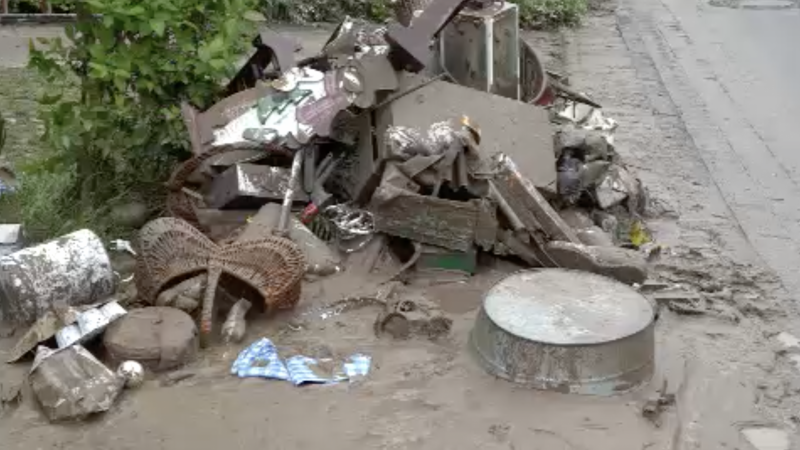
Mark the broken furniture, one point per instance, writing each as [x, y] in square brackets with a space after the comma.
[566, 331]
[172, 250]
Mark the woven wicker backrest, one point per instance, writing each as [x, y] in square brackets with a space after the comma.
[171, 249]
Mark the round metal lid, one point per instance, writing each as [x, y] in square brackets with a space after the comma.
[567, 307]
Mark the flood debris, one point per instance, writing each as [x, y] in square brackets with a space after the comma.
[157, 337]
[72, 270]
[71, 384]
[657, 403]
[132, 374]
[366, 159]
[261, 360]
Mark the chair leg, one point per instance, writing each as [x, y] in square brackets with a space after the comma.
[209, 311]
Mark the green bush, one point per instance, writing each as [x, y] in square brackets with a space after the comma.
[550, 13]
[113, 129]
[310, 11]
[533, 13]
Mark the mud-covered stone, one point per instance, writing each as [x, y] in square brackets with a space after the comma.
[594, 236]
[160, 338]
[627, 266]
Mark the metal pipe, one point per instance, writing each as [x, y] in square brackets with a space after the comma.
[294, 179]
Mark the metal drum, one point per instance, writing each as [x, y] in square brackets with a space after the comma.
[566, 331]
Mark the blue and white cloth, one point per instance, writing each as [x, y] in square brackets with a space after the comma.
[261, 360]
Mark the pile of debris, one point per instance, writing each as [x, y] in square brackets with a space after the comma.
[380, 144]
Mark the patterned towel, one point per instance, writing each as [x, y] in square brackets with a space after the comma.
[261, 359]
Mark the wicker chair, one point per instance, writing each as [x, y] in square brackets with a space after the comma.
[171, 249]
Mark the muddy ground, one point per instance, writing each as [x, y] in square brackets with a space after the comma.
[725, 366]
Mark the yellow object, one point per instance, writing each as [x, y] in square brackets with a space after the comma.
[638, 234]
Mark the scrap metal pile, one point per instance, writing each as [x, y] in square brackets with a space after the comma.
[382, 143]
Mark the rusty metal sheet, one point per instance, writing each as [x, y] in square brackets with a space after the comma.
[247, 186]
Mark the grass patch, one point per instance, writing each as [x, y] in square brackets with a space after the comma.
[43, 203]
[547, 14]
[19, 108]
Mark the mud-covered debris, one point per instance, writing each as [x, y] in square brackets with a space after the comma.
[71, 384]
[132, 374]
[249, 186]
[320, 258]
[72, 270]
[89, 324]
[10, 395]
[235, 325]
[627, 266]
[788, 342]
[682, 301]
[10, 234]
[656, 404]
[403, 318]
[185, 295]
[159, 338]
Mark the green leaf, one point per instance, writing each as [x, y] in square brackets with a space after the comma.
[254, 16]
[52, 99]
[216, 45]
[158, 26]
[218, 64]
[137, 10]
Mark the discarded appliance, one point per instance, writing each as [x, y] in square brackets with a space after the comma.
[480, 48]
[566, 331]
[72, 270]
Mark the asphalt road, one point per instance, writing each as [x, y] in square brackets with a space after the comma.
[732, 72]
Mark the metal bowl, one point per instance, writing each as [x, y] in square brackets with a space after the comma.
[566, 331]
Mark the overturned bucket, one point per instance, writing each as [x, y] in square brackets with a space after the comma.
[566, 331]
[71, 270]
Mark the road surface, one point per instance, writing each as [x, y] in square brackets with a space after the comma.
[731, 68]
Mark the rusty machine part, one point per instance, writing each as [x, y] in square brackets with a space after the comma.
[172, 250]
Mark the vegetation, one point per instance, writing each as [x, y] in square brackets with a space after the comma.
[112, 125]
[533, 13]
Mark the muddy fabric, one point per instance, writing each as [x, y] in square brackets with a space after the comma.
[159, 338]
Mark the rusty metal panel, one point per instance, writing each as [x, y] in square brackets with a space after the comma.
[480, 48]
[247, 186]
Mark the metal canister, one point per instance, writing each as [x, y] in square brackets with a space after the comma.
[71, 270]
[566, 331]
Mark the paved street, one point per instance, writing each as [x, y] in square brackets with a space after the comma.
[731, 70]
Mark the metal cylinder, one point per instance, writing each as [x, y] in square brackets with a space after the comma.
[71, 270]
[566, 331]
